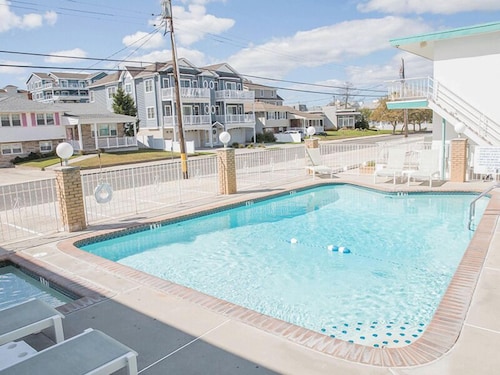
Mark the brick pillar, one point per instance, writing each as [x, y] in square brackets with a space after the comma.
[458, 158]
[310, 143]
[226, 166]
[70, 197]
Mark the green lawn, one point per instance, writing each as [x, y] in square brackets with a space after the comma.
[121, 158]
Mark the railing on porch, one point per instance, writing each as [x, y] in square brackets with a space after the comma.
[248, 118]
[188, 120]
[448, 105]
[234, 95]
[116, 142]
[186, 93]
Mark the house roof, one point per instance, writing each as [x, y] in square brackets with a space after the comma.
[91, 113]
[21, 104]
[424, 44]
[110, 78]
[71, 75]
[268, 107]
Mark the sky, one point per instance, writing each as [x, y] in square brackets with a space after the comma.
[311, 50]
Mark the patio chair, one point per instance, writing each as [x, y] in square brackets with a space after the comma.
[428, 166]
[29, 317]
[316, 164]
[394, 167]
[91, 352]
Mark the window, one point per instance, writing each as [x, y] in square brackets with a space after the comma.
[45, 119]
[230, 85]
[111, 92]
[128, 88]
[185, 83]
[45, 146]
[151, 113]
[13, 119]
[12, 149]
[107, 130]
[148, 85]
[167, 111]
[166, 83]
[91, 97]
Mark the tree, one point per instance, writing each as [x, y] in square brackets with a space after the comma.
[420, 116]
[123, 104]
[382, 113]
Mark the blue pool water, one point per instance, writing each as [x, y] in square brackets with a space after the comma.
[276, 257]
[17, 287]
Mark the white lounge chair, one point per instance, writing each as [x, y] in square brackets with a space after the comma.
[91, 352]
[428, 166]
[29, 317]
[394, 167]
[316, 165]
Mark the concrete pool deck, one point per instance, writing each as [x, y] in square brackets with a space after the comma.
[179, 331]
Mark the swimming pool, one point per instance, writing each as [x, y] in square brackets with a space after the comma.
[277, 257]
[17, 286]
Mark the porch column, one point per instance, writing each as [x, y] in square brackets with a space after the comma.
[70, 198]
[310, 143]
[458, 158]
[80, 135]
[96, 136]
[226, 166]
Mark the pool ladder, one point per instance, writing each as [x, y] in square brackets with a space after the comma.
[472, 207]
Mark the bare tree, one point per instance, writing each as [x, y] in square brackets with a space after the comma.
[382, 113]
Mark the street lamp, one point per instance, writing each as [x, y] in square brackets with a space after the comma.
[225, 137]
[64, 150]
[459, 128]
[311, 130]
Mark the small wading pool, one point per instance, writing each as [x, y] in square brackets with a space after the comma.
[17, 286]
[351, 263]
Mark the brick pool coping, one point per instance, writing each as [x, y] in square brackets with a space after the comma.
[439, 337]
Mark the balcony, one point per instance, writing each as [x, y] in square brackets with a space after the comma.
[188, 94]
[234, 95]
[246, 119]
[188, 120]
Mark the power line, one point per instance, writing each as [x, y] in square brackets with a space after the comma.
[150, 63]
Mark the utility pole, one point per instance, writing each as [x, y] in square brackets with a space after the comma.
[167, 17]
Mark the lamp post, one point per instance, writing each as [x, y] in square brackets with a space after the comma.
[311, 130]
[225, 137]
[64, 150]
[459, 128]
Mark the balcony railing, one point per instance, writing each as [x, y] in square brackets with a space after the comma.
[186, 93]
[236, 119]
[116, 142]
[188, 120]
[234, 95]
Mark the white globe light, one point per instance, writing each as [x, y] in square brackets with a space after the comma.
[225, 137]
[311, 130]
[64, 150]
[459, 127]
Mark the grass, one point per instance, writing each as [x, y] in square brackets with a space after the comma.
[121, 158]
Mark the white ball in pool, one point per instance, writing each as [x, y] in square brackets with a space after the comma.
[294, 240]
[330, 247]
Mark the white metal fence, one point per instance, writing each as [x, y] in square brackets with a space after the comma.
[28, 209]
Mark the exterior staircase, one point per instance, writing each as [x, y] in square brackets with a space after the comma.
[427, 92]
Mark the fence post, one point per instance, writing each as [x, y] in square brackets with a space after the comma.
[310, 143]
[70, 198]
[226, 166]
[458, 158]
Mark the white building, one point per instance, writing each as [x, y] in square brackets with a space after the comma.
[463, 91]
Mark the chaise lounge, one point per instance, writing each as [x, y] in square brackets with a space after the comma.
[27, 318]
[91, 352]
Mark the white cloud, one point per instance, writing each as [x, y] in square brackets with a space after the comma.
[195, 57]
[322, 46]
[143, 40]
[15, 69]
[75, 52]
[428, 6]
[50, 18]
[9, 20]
[193, 24]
